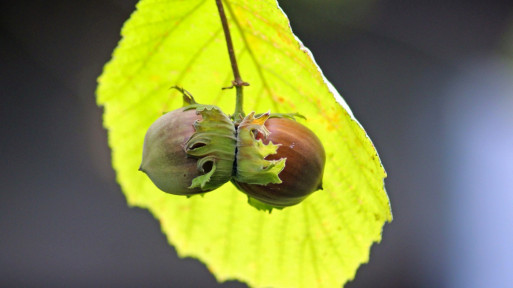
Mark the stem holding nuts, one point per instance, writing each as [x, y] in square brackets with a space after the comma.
[197, 148]
[238, 83]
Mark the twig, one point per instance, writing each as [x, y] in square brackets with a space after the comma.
[238, 83]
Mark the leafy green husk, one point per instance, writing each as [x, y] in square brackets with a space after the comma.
[214, 143]
[252, 168]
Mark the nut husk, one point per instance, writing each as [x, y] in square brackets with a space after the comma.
[190, 150]
[304, 166]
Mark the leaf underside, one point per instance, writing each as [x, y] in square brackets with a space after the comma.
[318, 243]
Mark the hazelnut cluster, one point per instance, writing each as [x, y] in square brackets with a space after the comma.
[276, 161]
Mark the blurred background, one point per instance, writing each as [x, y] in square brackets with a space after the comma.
[430, 81]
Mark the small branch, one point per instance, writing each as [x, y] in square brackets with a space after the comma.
[238, 83]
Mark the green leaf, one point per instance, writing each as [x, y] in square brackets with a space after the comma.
[320, 242]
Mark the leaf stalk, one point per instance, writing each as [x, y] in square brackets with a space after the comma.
[238, 83]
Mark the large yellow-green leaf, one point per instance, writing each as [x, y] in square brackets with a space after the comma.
[319, 243]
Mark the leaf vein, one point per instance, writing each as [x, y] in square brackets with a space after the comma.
[158, 45]
[253, 57]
